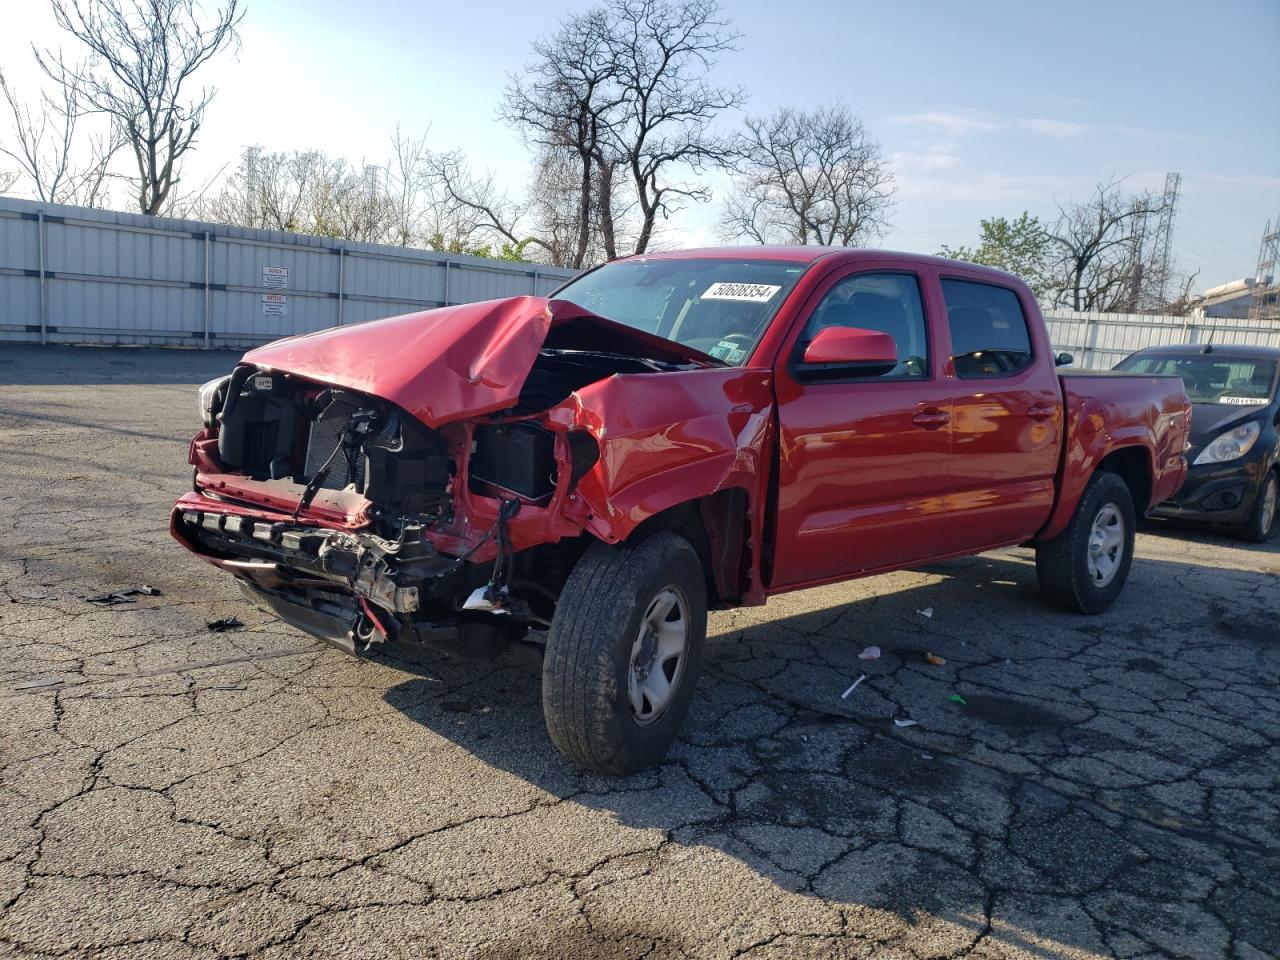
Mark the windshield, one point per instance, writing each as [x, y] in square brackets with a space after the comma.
[1211, 378]
[720, 307]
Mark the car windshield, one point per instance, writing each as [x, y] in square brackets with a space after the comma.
[1211, 378]
[720, 307]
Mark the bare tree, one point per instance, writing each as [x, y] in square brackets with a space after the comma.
[62, 165]
[420, 213]
[8, 178]
[555, 206]
[143, 55]
[1095, 249]
[485, 211]
[664, 52]
[564, 104]
[622, 88]
[808, 177]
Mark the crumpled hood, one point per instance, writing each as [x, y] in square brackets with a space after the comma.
[1210, 419]
[456, 362]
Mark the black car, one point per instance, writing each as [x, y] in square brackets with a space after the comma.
[1234, 457]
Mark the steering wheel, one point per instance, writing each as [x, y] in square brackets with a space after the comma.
[745, 338]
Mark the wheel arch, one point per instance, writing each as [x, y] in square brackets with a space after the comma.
[718, 527]
[1132, 464]
[1131, 460]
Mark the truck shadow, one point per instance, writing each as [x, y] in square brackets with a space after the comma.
[1045, 778]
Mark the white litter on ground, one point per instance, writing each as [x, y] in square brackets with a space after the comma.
[853, 686]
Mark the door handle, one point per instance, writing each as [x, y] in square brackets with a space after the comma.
[1040, 411]
[931, 418]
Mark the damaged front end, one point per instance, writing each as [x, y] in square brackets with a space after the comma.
[334, 483]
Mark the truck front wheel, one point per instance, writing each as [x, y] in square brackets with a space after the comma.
[624, 651]
[1084, 568]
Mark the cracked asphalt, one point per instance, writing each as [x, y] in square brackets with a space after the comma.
[1109, 787]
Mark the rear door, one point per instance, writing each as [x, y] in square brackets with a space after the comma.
[862, 460]
[1006, 416]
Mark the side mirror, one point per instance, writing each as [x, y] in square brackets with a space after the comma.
[852, 351]
[1064, 360]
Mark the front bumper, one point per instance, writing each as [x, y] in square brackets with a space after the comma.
[1217, 492]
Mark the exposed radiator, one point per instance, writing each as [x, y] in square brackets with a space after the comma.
[323, 437]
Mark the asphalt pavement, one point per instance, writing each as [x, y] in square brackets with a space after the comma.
[1071, 786]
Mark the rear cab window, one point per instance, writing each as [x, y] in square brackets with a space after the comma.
[989, 333]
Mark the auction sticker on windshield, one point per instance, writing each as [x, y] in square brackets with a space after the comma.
[750, 292]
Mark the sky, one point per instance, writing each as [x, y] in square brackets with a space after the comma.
[984, 108]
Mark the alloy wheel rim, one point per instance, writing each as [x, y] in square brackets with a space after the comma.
[657, 655]
[1106, 545]
[1269, 495]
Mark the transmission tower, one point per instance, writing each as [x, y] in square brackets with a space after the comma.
[1156, 274]
[1266, 290]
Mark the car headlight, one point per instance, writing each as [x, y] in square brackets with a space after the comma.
[1231, 445]
[211, 397]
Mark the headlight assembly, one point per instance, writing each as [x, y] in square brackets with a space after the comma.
[1231, 445]
[211, 397]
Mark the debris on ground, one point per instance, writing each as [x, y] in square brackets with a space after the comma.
[228, 686]
[934, 660]
[38, 682]
[956, 698]
[188, 682]
[904, 723]
[226, 623]
[927, 612]
[870, 653]
[853, 686]
[122, 596]
[926, 756]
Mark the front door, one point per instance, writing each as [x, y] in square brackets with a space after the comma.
[862, 469]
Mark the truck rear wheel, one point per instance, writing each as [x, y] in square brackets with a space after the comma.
[1084, 568]
[623, 653]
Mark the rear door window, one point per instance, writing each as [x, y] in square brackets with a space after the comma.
[989, 335]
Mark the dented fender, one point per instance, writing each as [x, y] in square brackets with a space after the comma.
[704, 432]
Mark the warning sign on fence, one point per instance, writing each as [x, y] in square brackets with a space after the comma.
[275, 305]
[275, 277]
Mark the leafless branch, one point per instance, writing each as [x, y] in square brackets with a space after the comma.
[62, 164]
[142, 55]
[1096, 253]
[808, 177]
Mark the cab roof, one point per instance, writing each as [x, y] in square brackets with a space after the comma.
[812, 254]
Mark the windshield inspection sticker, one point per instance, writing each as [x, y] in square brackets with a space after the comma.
[1244, 401]
[728, 351]
[749, 292]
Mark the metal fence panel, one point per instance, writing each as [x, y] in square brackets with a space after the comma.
[1099, 341]
[75, 275]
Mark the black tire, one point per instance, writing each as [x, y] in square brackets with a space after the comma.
[1062, 564]
[589, 656]
[1260, 528]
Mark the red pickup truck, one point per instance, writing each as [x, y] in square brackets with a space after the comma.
[586, 475]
